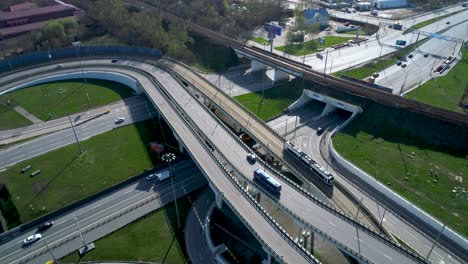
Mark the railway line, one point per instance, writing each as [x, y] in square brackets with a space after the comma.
[335, 83]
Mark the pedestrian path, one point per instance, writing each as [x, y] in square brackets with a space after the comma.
[27, 115]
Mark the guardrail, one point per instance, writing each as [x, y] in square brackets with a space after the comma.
[323, 205]
[340, 214]
[236, 183]
[99, 223]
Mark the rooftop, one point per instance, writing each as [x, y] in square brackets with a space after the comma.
[32, 12]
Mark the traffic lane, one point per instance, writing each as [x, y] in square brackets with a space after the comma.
[117, 199]
[195, 243]
[303, 115]
[237, 155]
[107, 228]
[65, 137]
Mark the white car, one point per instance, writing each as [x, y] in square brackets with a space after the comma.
[119, 120]
[450, 59]
[31, 239]
[151, 177]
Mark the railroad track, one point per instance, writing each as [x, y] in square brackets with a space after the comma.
[332, 82]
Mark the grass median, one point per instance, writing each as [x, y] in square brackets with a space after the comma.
[276, 99]
[9, 118]
[445, 91]
[67, 176]
[154, 238]
[420, 158]
[312, 46]
[260, 41]
[57, 99]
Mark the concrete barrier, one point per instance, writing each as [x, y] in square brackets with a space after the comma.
[417, 216]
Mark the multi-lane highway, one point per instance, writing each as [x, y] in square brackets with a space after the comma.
[239, 157]
[102, 216]
[133, 111]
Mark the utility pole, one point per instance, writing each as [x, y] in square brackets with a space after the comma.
[169, 157]
[50, 251]
[74, 133]
[325, 68]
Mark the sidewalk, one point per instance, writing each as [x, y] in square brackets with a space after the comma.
[27, 115]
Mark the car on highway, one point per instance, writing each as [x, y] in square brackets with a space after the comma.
[319, 130]
[399, 63]
[119, 120]
[447, 23]
[410, 56]
[449, 59]
[426, 55]
[59, 66]
[465, 4]
[31, 239]
[45, 226]
[252, 157]
[403, 65]
[114, 60]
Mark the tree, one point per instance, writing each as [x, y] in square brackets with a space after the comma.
[313, 29]
[54, 33]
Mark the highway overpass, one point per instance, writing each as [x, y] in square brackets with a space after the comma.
[200, 132]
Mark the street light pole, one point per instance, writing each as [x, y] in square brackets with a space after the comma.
[79, 231]
[50, 251]
[169, 157]
[74, 133]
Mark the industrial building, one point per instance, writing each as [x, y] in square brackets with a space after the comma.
[386, 4]
[26, 17]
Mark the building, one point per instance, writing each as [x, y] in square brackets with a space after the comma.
[385, 4]
[318, 15]
[26, 17]
[363, 6]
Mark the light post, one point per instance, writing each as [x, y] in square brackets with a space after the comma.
[50, 251]
[86, 247]
[459, 192]
[169, 157]
[74, 133]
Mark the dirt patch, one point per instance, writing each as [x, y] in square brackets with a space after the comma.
[39, 185]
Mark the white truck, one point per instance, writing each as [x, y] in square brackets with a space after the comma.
[161, 176]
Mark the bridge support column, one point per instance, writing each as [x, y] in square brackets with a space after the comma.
[280, 75]
[268, 259]
[305, 235]
[257, 66]
[181, 146]
[327, 109]
[312, 237]
[218, 197]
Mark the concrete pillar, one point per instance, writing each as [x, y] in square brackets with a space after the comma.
[305, 235]
[257, 66]
[268, 260]
[280, 75]
[312, 237]
[181, 145]
[327, 109]
[218, 197]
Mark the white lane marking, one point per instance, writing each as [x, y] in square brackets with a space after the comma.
[128, 191]
[96, 206]
[387, 257]
[332, 224]
[410, 234]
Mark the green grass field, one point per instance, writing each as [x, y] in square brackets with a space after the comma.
[261, 41]
[430, 21]
[353, 33]
[66, 177]
[10, 119]
[154, 238]
[445, 91]
[276, 99]
[311, 46]
[368, 69]
[60, 98]
[421, 159]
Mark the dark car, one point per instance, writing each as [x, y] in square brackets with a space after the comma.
[114, 60]
[447, 23]
[403, 65]
[45, 226]
[426, 55]
[398, 63]
[410, 56]
[319, 130]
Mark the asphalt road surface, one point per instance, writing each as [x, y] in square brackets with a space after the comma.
[133, 111]
[102, 216]
[316, 146]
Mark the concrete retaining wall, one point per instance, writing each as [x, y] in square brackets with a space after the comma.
[422, 217]
[109, 76]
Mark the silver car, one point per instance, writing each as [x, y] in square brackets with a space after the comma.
[31, 239]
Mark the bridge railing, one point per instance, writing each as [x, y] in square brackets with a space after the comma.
[321, 203]
[221, 163]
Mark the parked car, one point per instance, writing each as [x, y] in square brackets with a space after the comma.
[252, 157]
[31, 239]
[399, 63]
[119, 120]
[45, 226]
